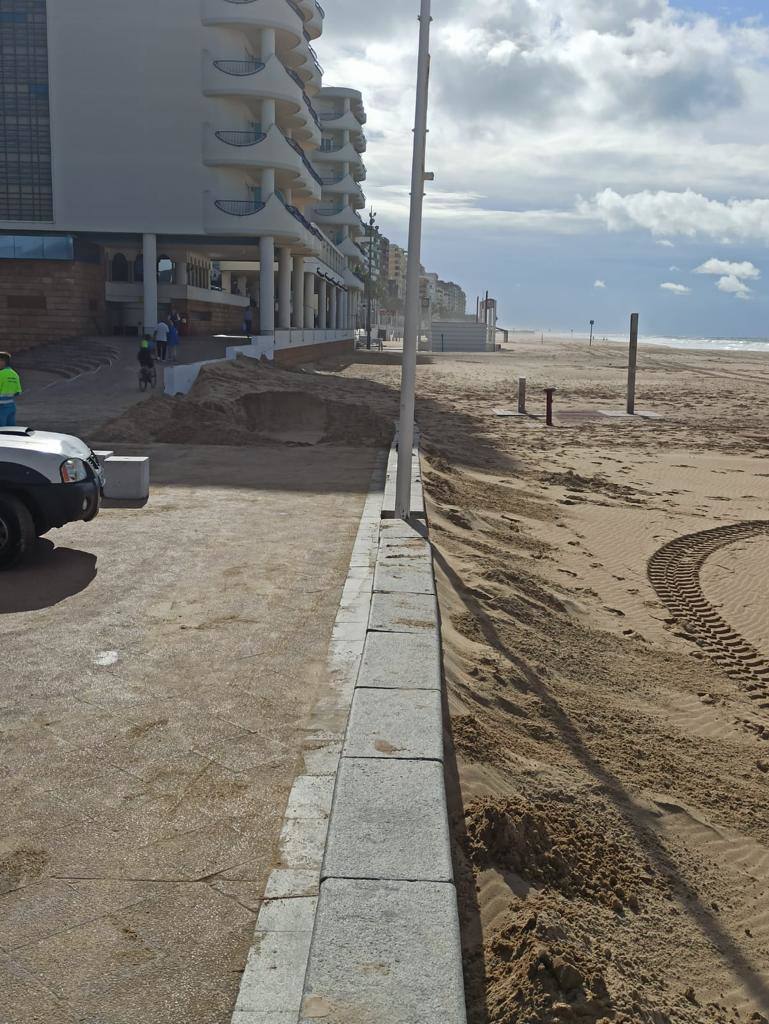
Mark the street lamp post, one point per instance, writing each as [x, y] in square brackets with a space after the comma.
[371, 220]
[592, 325]
[411, 319]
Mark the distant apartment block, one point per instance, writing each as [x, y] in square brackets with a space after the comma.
[176, 154]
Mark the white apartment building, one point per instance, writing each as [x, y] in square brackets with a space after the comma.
[182, 136]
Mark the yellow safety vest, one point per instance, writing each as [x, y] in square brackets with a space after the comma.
[10, 385]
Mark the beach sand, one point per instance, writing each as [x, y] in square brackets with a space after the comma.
[610, 771]
[608, 737]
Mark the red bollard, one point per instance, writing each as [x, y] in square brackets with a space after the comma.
[549, 392]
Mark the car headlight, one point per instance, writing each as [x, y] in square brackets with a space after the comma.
[73, 471]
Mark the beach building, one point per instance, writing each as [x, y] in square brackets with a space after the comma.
[340, 168]
[163, 155]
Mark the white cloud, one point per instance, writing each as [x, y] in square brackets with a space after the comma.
[676, 289]
[599, 284]
[742, 271]
[675, 270]
[682, 213]
[733, 286]
[666, 243]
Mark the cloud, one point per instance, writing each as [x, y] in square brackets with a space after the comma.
[599, 284]
[666, 243]
[731, 276]
[675, 270]
[742, 271]
[676, 289]
[681, 213]
[733, 286]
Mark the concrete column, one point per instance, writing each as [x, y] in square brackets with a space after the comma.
[267, 284]
[227, 281]
[243, 285]
[333, 311]
[268, 183]
[343, 311]
[322, 298]
[150, 264]
[268, 43]
[268, 114]
[284, 287]
[309, 301]
[297, 286]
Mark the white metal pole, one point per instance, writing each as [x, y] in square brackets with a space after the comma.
[412, 319]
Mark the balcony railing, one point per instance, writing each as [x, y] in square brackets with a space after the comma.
[320, 9]
[315, 60]
[329, 210]
[330, 146]
[298, 215]
[332, 179]
[239, 207]
[244, 138]
[298, 149]
[330, 115]
[239, 68]
[306, 98]
[294, 7]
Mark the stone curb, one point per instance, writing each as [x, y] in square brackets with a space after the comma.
[273, 980]
[386, 946]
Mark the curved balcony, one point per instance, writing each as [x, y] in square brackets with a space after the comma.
[352, 281]
[340, 120]
[351, 250]
[313, 25]
[284, 16]
[251, 219]
[340, 214]
[346, 154]
[259, 150]
[256, 81]
[343, 184]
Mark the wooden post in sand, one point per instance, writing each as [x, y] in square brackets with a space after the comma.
[522, 396]
[549, 392]
[631, 364]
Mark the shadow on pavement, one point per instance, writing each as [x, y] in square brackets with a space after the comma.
[48, 576]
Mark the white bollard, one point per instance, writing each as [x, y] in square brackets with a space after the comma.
[127, 479]
[103, 456]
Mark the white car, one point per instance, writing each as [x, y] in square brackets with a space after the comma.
[46, 480]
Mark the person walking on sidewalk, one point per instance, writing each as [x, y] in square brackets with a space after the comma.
[10, 387]
[161, 340]
[173, 342]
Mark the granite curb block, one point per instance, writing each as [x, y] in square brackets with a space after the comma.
[273, 980]
[385, 952]
[386, 947]
[390, 822]
[395, 724]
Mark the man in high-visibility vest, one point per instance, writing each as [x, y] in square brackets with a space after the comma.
[10, 387]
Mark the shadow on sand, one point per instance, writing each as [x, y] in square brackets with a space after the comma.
[48, 576]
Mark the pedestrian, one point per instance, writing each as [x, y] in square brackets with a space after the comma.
[10, 387]
[248, 320]
[161, 340]
[173, 342]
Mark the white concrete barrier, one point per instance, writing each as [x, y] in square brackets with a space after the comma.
[127, 478]
[103, 456]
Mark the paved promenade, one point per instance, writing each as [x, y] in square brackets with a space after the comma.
[159, 667]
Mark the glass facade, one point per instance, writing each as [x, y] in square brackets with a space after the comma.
[26, 192]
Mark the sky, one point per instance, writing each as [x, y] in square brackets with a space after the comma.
[592, 158]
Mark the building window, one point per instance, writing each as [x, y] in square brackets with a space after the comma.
[26, 192]
[36, 247]
[120, 268]
[166, 268]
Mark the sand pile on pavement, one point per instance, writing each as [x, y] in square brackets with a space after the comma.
[246, 402]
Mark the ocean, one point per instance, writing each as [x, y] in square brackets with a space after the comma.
[705, 344]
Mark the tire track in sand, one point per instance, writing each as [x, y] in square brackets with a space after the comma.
[674, 572]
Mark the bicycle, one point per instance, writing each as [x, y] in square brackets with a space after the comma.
[148, 377]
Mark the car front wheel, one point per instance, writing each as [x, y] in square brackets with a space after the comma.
[17, 530]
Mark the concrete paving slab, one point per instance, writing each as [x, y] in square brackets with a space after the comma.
[272, 980]
[389, 821]
[292, 914]
[349, 631]
[323, 759]
[385, 953]
[302, 843]
[403, 613]
[287, 882]
[395, 724]
[401, 660]
[310, 797]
